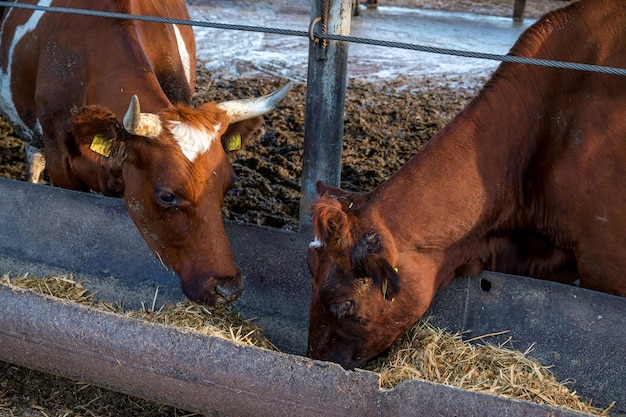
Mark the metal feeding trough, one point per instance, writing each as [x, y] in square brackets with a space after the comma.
[52, 231]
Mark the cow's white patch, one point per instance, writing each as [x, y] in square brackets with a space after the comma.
[317, 243]
[184, 54]
[6, 97]
[192, 140]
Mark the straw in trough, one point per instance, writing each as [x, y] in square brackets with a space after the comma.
[424, 352]
[218, 321]
[432, 354]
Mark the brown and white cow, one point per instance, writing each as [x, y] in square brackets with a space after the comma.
[76, 84]
[530, 178]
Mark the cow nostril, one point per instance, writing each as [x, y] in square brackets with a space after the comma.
[212, 291]
[228, 292]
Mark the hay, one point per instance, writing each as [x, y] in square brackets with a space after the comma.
[219, 321]
[429, 353]
[424, 352]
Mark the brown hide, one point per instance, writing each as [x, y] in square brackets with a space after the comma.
[74, 76]
[526, 180]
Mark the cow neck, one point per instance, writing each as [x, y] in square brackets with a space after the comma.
[117, 99]
[124, 78]
[463, 183]
[468, 180]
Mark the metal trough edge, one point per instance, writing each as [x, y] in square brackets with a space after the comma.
[213, 376]
[169, 365]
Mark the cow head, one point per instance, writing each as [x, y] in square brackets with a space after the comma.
[359, 304]
[174, 172]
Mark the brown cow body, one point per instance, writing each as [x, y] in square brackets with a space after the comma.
[67, 81]
[528, 179]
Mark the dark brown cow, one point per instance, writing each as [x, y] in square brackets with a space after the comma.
[529, 178]
[67, 80]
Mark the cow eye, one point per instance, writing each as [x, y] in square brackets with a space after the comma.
[340, 310]
[167, 198]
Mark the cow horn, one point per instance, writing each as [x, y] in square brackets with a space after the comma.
[238, 110]
[142, 124]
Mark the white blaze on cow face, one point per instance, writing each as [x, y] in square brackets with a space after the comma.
[193, 140]
[6, 96]
[184, 54]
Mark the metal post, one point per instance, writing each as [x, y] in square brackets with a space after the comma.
[518, 10]
[326, 87]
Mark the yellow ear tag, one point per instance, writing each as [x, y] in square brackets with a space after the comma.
[384, 288]
[233, 143]
[101, 145]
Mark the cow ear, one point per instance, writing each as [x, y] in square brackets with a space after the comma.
[98, 127]
[330, 223]
[368, 259]
[238, 134]
[95, 121]
[383, 275]
[324, 189]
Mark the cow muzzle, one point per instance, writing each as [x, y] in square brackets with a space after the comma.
[344, 355]
[213, 290]
[228, 293]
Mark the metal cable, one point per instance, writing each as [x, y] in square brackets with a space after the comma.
[326, 36]
[479, 55]
[157, 19]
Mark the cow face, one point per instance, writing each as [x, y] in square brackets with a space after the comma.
[358, 305]
[175, 172]
[174, 188]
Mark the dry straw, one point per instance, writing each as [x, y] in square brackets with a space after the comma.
[424, 352]
[432, 354]
[220, 321]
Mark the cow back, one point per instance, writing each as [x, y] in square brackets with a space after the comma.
[53, 62]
